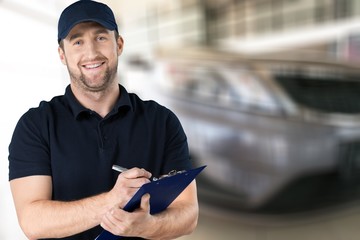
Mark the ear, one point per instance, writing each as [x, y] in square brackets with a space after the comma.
[120, 45]
[62, 55]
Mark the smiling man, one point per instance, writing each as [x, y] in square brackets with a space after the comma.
[61, 153]
[90, 53]
[91, 56]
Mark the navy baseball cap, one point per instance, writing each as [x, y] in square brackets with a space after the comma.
[85, 11]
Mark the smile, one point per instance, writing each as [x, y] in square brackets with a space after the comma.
[92, 66]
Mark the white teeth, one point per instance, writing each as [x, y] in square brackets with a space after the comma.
[93, 65]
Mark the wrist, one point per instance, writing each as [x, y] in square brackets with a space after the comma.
[153, 229]
[106, 203]
[110, 200]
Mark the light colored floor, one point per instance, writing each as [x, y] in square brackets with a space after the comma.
[341, 223]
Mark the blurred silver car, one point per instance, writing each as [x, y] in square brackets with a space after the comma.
[263, 123]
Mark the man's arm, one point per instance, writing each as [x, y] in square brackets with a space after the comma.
[41, 217]
[179, 219]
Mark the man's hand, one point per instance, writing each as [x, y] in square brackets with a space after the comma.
[179, 219]
[137, 223]
[127, 184]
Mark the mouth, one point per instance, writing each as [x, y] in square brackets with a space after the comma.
[93, 65]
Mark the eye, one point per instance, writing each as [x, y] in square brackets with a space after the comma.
[101, 38]
[77, 43]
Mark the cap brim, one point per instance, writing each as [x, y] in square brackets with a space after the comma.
[106, 25]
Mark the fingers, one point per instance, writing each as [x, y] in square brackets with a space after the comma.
[127, 184]
[122, 223]
[136, 173]
[145, 203]
[134, 178]
[114, 221]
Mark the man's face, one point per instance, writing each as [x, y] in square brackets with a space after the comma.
[90, 53]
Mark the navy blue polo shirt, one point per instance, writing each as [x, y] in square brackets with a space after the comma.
[77, 147]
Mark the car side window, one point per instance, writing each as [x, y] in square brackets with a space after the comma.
[222, 86]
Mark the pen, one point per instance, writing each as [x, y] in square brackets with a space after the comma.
[122, 169]
[118, 168]
[171, 173]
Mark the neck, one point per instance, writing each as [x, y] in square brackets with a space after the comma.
[101, 102]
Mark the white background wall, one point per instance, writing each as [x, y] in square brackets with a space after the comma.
[30, 71]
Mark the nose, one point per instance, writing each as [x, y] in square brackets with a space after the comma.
[91, 50]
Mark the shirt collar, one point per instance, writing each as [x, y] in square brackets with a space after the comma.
[78, 110]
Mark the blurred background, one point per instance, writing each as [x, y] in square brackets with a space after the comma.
[268, 92]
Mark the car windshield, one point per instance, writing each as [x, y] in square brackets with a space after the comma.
[336, 94]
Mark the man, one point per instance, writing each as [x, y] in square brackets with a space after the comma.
[61, 153]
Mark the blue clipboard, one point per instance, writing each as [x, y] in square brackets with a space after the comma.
[162, 193]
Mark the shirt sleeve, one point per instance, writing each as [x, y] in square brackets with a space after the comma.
[29, 149]
[176, 149]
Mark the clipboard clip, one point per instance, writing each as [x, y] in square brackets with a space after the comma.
[171, 173]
